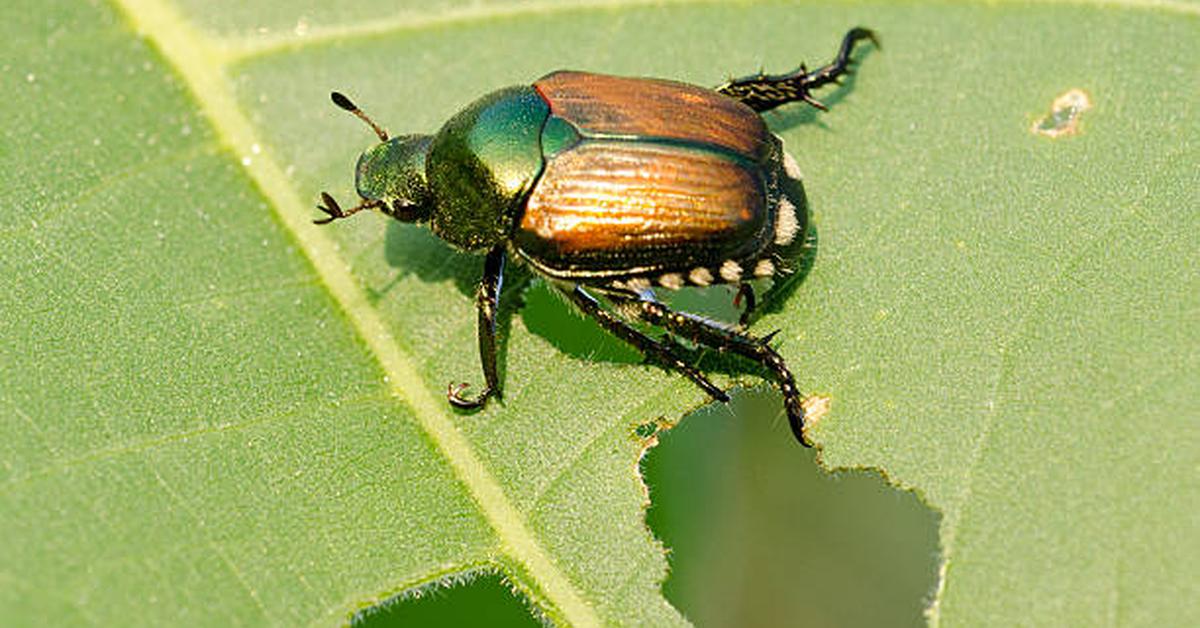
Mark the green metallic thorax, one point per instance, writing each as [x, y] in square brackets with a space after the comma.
[482, 165]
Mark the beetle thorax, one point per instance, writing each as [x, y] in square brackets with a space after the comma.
[482, 164]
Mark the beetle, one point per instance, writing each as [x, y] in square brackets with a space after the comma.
[610, 186]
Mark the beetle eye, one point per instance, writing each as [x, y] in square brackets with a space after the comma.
[405, 211]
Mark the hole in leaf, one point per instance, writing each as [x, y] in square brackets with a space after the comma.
[483, 600]
[759, 535]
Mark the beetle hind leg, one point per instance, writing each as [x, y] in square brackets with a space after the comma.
[709, 333]
[763, 92]
[665, 352]
[745, 294]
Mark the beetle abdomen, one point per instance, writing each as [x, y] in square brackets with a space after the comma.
[600, 105]
[609, 208]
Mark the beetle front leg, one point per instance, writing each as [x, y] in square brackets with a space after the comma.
[487, 301]
[709, 333]
[666, 353]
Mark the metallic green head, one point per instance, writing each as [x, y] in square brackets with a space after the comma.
[389, 177]
[393, 172]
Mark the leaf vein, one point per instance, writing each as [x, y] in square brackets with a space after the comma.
[201, 64]
[212, 544]
[150, 444]
[1005, 370]
[239, 49]
[110, 180]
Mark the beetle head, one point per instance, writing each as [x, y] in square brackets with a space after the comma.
[390, 176]
[392, 173]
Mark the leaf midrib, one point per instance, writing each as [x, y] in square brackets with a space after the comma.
[199, 61]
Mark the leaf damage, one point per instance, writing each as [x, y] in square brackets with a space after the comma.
[1065, 114]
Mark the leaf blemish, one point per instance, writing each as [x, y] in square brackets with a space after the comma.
[815, 409]
[1064, 115]
[648, 432]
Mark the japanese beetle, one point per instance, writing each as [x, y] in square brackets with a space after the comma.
[615, 186]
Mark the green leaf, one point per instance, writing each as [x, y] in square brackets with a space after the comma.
[216, 412]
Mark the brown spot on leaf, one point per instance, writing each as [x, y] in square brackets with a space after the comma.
[1064, 114]
[815, 408]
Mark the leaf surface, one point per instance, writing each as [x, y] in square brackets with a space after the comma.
[217, 412]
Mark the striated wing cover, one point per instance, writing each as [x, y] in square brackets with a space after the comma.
[605, 207]
[603, 105]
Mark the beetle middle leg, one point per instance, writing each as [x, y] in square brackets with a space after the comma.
[745, 294]
[709, 333]
[763, 92]
[665, 352]
[487, 301]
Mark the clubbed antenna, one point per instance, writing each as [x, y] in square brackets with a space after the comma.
[335, 211]
[340, 100]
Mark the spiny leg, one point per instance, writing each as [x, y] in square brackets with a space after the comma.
[763, 92]
[709, 333]
[665, 352]
[487, 301]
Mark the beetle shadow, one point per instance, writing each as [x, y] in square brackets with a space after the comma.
[415, 250]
